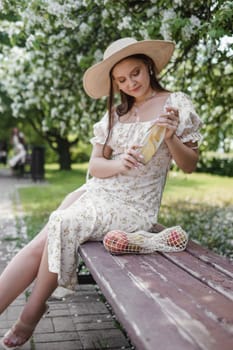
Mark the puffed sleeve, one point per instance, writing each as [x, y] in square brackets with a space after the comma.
[100, 131]
[190, 123]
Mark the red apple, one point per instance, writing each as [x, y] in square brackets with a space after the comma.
[176, 239]
[116, 241]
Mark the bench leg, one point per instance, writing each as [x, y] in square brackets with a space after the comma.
[84, 278]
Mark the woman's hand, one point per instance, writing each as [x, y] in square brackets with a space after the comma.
[185, 157]
[130, 159]
[170, 121]
[102, 167]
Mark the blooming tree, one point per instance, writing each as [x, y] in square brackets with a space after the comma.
[46, 45]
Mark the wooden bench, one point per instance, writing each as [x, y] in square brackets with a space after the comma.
[167, 301]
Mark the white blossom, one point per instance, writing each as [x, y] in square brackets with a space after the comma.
[195, 21]
[13, 29]
[189, 29]
[105, 13]
[125, 22]
[54, 8]
[62, 127]
[144, 33]
[177, 2]
[29, 42]
[169, 14]
[165, 29]
[45, 127]
[98, 55]
[150, 12]
[226, 45]
[187, 32]
[84, 28]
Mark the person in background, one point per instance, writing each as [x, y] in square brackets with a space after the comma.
[124, 192]
[19, 149]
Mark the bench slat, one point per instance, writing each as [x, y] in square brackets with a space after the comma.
[218, 262]
[192, 304]
[204, 272]
[180, 312]
[209, 300]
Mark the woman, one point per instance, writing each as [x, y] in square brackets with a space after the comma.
[18, 142]
[123, 193]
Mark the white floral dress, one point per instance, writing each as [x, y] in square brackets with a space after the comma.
[127, 202]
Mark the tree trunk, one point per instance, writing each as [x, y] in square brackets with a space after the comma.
[63, 150]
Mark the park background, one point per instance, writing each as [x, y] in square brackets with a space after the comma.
[45, 47]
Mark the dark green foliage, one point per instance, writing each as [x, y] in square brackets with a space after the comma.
[216, 164]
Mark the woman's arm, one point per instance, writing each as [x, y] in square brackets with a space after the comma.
[185, 157]
[102, 167]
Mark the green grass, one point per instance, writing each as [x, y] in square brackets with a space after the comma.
[46, 196]
[208, 188]
[41, 199]
[201, 203]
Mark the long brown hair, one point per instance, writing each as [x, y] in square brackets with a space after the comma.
[127, 101]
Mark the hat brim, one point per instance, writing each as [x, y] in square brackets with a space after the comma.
[96, 80]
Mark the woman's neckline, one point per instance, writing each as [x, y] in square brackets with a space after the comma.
[141, 103]
[137, 121]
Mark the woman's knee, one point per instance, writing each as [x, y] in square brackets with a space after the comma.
[70, 199]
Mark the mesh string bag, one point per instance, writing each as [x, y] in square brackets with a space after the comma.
[173, 239]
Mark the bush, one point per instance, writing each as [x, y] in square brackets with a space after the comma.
[216, 163]
[210, 225]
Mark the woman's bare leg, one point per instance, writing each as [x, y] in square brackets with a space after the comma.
[21, 270]
[26, 263]
[45, 284]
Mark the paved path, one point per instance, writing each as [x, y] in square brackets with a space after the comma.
[78, 321]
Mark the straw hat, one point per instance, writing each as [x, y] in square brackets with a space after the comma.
[96, 80]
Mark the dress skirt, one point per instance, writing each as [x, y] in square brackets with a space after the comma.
[90, 217]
